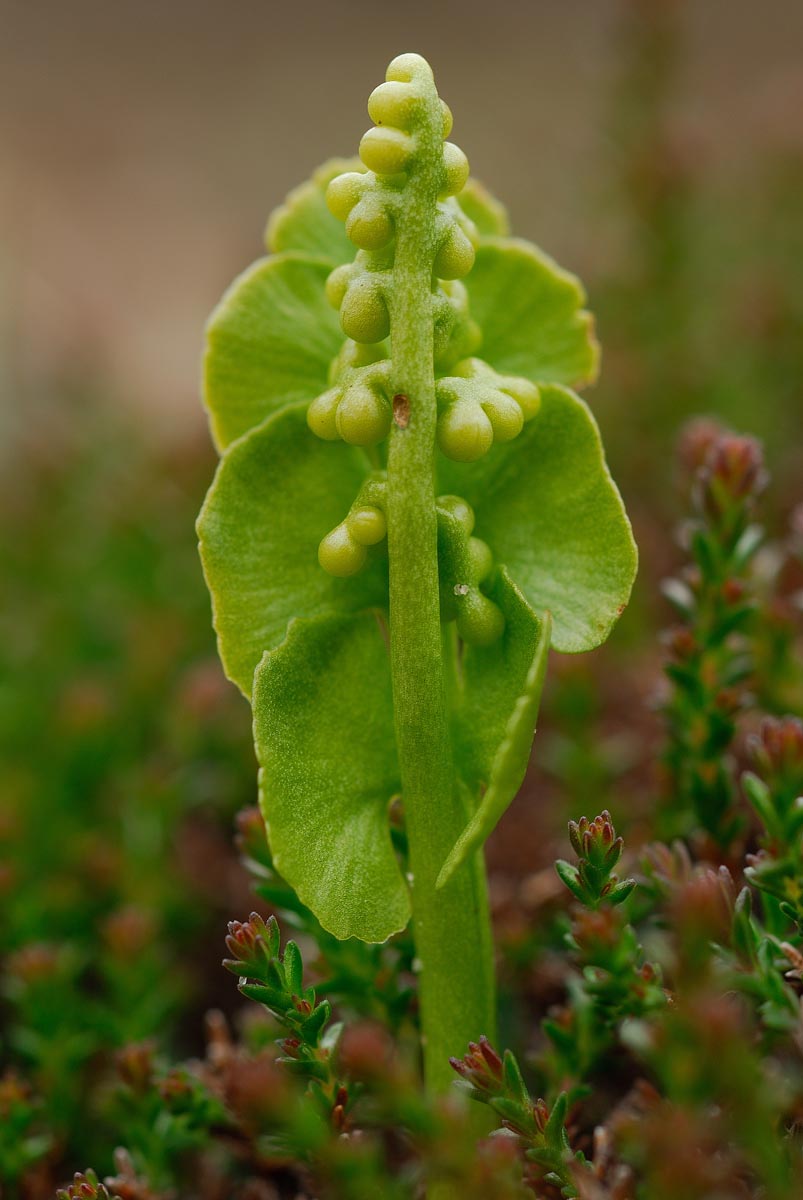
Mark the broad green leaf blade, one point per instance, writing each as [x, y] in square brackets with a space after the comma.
[546, 505]
[502, 686]
[276, 493]
[531, 315]
[304, 223]
[323, 729]
[487, 213]
[269, 344]
[493, 680]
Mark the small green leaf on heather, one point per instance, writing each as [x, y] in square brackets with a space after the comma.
[621, 892]
[554, 1130]
[310, 1029]
[276, 493]
[323, 728]
[548, 506]
[508, 1110]
[273, 998]
[745, 935]
[304, 223]
[269, 344]
[502, 686]
[514, 1080]
[570, 877]
[531, 314]
[293, 968]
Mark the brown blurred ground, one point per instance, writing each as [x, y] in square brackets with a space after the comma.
[142, 144]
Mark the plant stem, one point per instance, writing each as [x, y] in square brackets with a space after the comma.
[451, 927]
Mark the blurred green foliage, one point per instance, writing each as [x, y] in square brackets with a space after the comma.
[124, 755]
[704, 310]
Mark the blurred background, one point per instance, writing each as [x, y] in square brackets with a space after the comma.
[655, 147]
[141, 146]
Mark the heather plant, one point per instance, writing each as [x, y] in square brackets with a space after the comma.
[541, 1133]
[774, 788]
[711, 659]
[611, 980]
[411, 507]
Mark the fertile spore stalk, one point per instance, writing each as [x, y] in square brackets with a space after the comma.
[452, 929]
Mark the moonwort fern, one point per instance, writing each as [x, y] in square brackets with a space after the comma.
[411, 506]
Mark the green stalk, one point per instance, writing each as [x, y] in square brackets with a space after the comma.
[451, 926]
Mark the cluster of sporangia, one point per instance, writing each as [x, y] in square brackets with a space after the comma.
[476, 405]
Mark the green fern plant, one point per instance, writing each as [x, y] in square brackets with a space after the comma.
[411, 506]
